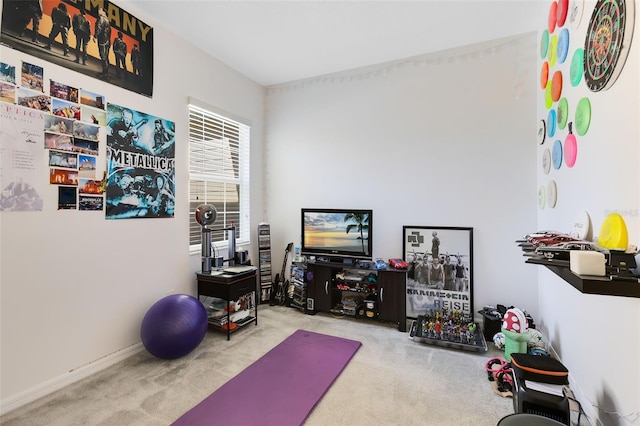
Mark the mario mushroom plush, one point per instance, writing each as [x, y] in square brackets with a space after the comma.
[516, 332]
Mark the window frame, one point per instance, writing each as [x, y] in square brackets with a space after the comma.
[242, 168]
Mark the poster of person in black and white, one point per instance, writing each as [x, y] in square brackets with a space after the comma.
[140, 181]
[440, 271]
[93, 37]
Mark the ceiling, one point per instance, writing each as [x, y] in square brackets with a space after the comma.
[274, 42]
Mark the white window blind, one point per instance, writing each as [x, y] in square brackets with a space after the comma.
[218, 174]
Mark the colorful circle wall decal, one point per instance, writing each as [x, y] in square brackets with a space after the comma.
[553, 50]
[553, 16]
[563, 45]
[542, 196]
[544, 44]
[556, 154]
[552, 194]
[563, 112]
[542, 131]
[561, 12]
[544, 74]
[546, 161]
[583, 116]
[607, 42]
[570, 149]
[551, 123]
[547, 96]
[556, 86]
[576, 7]
[577, 67]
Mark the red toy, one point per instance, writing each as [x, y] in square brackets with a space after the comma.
[398, 263]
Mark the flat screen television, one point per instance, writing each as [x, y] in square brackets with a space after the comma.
[337, 234]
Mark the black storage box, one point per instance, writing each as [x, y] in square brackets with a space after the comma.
[539, 368]
[491, 324]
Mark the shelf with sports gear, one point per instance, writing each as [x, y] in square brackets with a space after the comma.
[264, 262]
[356, 290]
[612, 284]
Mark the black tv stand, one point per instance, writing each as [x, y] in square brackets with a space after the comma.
[330, 284]
[344, 261]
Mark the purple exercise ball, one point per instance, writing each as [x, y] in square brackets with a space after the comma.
[174, 326]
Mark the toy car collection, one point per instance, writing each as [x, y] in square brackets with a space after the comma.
[541, 240]
[561, 251]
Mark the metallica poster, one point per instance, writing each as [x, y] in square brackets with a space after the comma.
[140, 181]
[440, 274]
[93, 37]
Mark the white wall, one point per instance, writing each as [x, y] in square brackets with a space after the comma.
[596, 337]
[74, 286]
[446, 139]
[405, 139]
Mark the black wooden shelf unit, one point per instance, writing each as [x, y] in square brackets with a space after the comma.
[588, 284]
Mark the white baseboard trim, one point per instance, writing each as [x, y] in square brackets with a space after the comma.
[588, 409]
[22, 398]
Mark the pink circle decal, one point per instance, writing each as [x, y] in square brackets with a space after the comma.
[570, 150]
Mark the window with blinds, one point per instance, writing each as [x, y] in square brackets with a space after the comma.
[218, 175]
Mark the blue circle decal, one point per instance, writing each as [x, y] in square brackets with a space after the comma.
[563, 45]
[556, 154]
[551, 123]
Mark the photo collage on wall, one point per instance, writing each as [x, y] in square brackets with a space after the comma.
[67, 121]
[68, 126]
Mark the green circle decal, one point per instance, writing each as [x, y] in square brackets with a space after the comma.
[548, 99]
[563, 112]
[577, 67]
[583, 116]
[553, 50]
[544, 44]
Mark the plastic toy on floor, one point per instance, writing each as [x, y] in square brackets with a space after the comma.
[516, 332]
[500, 375]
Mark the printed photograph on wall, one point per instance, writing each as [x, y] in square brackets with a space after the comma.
[7, 73]
[88, 203]
[440, 271]
[32, 76]
[32, 99]
[62, 91]
[99, 39]
[21, 155]
[67, 160]
[7, 93]
[67, 198]
[140, 180]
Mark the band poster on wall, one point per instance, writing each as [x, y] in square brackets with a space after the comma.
[140, 181]
[92, 37]
[440, 271]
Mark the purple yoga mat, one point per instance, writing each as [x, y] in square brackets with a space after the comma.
[281, 388]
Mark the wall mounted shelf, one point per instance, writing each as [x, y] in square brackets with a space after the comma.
[589, 284]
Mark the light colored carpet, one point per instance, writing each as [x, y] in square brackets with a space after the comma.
[391, 380]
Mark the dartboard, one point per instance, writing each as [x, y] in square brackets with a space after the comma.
[607, 42]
